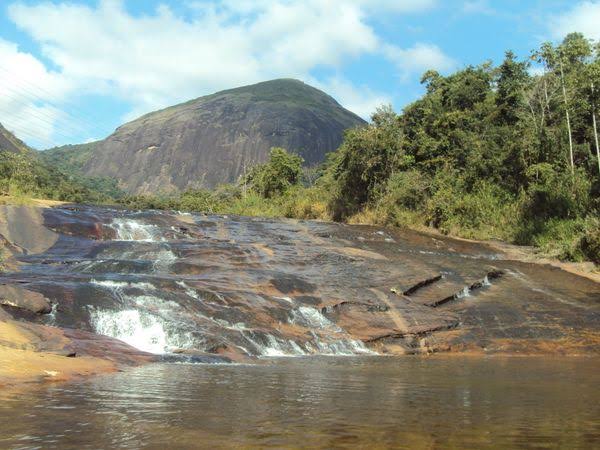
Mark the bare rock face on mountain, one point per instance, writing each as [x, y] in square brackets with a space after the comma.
[213, 139]
[10, 143]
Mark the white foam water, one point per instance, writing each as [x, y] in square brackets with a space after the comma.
[151, 324]
[343, 347]
[163, 260]
[312, 318]
[142, 331]
[161, 257]
[51, 316]
[141, 325]
[120, 285]
[134, 230]
[191, 292]
[466, 292]
[335, 340]
[276, 346]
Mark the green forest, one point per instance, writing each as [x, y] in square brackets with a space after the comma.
[490, 152]
[504, 152]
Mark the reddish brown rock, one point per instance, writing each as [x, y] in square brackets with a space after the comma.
[17, 297]
[243, 287]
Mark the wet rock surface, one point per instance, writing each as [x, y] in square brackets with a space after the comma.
[192, 286]
[24, 300]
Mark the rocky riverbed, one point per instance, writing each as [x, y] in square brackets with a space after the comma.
[91, 289]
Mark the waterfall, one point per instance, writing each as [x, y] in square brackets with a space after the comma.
[142, 323]
[134, 230]
[140, 330]
[163, 259]
[273, 346]
[330, 339]
[312, 318]
[147, 320]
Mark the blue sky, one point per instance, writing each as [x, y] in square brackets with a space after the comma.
[72, 71]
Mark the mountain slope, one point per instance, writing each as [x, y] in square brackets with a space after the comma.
[71, 157]
[9, 142]
[214, 139]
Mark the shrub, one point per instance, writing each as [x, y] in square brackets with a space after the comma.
[590, 242]
[274, 177]
[561, 238]
[407, 189]
[556, 193]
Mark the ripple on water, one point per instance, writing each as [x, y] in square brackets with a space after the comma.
[322, 402]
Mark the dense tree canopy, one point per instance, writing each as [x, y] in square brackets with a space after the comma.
[483, 143]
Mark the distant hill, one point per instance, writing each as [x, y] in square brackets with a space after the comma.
[213, 139]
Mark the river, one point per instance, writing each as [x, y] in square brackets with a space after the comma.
[318, 402]
[319, 335]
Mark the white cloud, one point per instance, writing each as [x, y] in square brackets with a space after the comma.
[27, 90]
[584, 17]
[419, 58]
[478, 7]
[361, 100]
[399, 6]
[158, 59]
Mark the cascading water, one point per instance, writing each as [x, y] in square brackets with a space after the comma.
[328, 338]
[142, 324]
[142, 331]
[134, 230]
[152, 320]
[247, 286]
[466, 292]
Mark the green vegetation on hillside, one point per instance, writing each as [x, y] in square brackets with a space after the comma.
[26, 173]
[70, 159]
[487, 152]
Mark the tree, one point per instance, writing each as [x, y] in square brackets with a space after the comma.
[512, 80]
[366, 159]
[594, 77]
[274, 177]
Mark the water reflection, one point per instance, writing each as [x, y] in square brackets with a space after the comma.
[318, 402]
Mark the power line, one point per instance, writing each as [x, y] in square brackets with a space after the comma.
[20, 129]
[35, 116]
[62, 101]
[16, 99]
[21, 135]
[24, 127]
[48, 120]
[60, 125]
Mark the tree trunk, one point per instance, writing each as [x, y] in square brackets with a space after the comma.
[564, 89]
[546, 90]
[535, 124]
[245, 182]
[595, 128]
